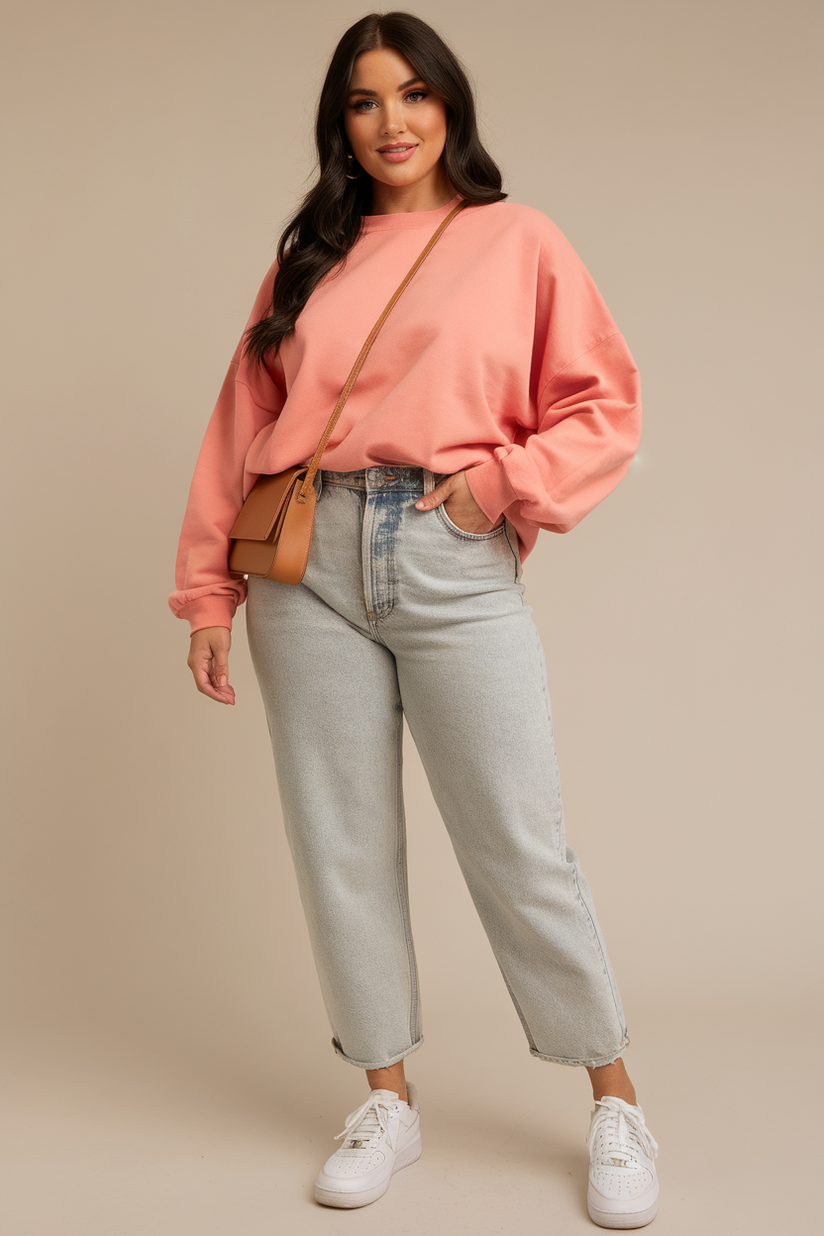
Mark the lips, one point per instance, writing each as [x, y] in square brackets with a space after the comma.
[399, 153]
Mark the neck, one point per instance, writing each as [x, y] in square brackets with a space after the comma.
[429, 194]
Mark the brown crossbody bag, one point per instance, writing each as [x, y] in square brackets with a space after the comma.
[272, 534]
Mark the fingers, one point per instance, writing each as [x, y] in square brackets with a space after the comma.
[439, 494]
[209, 662]
[461, 508]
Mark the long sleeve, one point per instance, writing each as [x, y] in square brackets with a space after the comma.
[250, 399]
[587, 399]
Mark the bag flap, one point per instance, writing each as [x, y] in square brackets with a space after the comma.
[267, 497]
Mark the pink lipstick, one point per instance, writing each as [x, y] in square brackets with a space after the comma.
[398, 153]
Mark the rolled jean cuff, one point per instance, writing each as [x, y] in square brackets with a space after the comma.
[597, 1063]
[383, 1064]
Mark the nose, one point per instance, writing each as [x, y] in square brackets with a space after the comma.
[393, 120]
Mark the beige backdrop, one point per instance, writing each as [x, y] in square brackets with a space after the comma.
[167, 1052]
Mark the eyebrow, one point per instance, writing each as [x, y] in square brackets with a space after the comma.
[362, 90]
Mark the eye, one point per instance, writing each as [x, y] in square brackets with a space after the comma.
[366, 104]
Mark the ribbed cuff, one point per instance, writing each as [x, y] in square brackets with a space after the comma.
[209, 611]
[490, 488]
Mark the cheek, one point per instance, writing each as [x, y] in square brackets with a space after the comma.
[434, 125]
[349, 129]
[355, 131]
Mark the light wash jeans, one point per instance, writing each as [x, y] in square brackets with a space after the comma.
[401, 613]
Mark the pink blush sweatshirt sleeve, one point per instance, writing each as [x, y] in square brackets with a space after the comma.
[249, 402]
[588, 405]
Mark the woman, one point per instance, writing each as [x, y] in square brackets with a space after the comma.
[499, 398]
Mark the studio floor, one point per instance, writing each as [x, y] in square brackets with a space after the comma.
[106, 1137]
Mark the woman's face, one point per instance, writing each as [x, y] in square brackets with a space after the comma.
[389, 105]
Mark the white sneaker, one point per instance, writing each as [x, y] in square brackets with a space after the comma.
[381, 1137]
[623, 1185]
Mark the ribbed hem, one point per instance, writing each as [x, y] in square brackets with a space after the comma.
[490, 488]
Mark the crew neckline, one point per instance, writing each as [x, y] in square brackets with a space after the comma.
[408, 218]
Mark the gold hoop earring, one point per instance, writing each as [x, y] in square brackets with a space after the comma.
[360, 169]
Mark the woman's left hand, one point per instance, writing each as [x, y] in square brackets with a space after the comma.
[459, 505]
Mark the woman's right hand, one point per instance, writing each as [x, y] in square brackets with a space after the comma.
[209, 663]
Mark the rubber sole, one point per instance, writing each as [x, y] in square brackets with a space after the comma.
[622, 1222]
[349, 1201]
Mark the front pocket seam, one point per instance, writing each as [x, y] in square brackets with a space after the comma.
[462, 533]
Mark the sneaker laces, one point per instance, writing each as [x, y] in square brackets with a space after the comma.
[370, 1120]
[624, 1130]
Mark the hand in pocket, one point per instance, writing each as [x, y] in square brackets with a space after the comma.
[459, 505]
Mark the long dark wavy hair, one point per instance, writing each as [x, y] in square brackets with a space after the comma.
[328, 221]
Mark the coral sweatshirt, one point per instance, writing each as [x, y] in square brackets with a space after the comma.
[500, 358]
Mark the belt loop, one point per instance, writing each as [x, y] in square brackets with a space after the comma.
[428, 480]
[318, 483]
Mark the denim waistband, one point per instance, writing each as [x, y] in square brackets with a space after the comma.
[387, 476]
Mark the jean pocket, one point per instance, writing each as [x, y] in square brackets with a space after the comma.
[462, 533]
